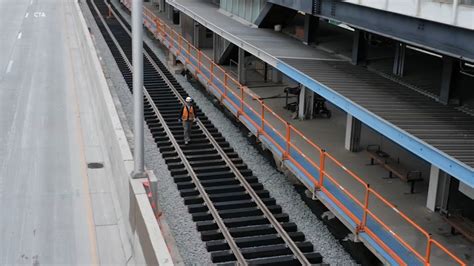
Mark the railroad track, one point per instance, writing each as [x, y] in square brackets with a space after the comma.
[239, 221]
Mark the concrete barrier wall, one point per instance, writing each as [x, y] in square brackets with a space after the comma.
[144, 242]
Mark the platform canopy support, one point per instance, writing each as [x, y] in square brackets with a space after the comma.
[242, 69]
[438, 190]
[277, 76]
[399, 60]
[305, 103]
[169, 11]
[197, 34]
[447, 80]
[161, 5]
[353, 133]
[311, 24]
[359, 48]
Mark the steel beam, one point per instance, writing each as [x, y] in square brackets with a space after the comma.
[215, 45]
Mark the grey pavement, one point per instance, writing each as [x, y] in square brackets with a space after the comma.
[53, 209]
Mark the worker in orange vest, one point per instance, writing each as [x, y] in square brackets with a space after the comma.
[187, 116]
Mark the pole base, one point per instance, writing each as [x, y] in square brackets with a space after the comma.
[138, 175]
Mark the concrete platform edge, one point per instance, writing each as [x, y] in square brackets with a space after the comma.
[144, 235]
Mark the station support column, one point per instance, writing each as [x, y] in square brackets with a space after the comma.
[242, 70]
[197, 34]
[311, 24]
[215, 47]
[305, 103]
[137, 60]
[399, 60]
[161, 6]
[447, 78]
[353, 133]
[359, 48]
[277, 76]
[438, 190]
[169, 11]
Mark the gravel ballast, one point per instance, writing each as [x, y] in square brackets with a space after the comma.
[188, 240]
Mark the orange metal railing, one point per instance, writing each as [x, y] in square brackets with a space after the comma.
[311, 165]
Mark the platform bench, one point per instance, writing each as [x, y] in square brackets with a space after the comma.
[394, 167]
[460, 224]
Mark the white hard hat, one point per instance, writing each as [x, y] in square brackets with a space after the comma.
[188, 99]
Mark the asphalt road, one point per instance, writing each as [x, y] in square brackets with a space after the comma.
[46, 208]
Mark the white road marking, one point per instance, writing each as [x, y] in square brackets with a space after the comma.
[31, 2]
[9, 67]
[19, 35]
[27, 14]
[39, 14]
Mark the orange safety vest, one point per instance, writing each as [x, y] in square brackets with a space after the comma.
[187, 114]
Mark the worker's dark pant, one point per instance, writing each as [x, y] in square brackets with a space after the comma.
[187, 130]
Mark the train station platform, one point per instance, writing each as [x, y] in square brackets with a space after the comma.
[402, 226]
[64, 176]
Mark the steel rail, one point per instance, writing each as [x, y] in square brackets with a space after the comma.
[223, 228]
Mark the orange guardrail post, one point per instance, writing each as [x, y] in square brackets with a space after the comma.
[225, 93]
[428, 250]
[188, 53]
[162, 29]
[170, 39]
[241, 111]
[287, 141]
[366, 208]
[322, 164]
[211, 75]
[262, 116]
[199, 60]
[157, 28]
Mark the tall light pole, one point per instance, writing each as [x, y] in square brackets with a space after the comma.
[137, 61]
